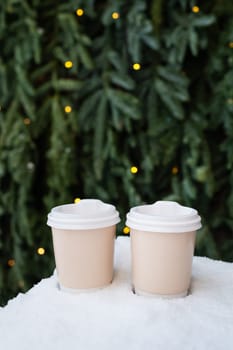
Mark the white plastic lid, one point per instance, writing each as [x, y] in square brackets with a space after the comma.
[163, 216]
[86, 214]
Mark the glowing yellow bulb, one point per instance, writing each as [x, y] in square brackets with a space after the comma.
[231, 44]
[79, 12]
[115, 15]
[41, 251]
[68, 64]
[136, 66]
[77, 200]
[134, 169]
[175, 170]
[27, 121]
[195, 9]
[68, 109]
[126, 230]
[11, 262]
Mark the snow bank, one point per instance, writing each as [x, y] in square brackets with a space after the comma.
[115, 318]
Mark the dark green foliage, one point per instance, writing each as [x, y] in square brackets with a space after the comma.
[175, 113]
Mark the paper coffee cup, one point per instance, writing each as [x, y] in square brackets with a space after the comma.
[162, 245]
[83, 240]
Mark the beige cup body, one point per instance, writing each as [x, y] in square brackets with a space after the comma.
[84, 258]
[162, 262]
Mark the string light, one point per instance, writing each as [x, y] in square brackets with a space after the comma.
[175, 170]
[231, 45]
[21, 284]
[40, 251]
[79, 12]
[27, 121]
[11, 262]
[77, 200]
[134, 169]
[195, 9]
[68, 64]
[30, 166]
[136, 66]
[67, 149]
[115, 15]
[126, 230]
[68, 109]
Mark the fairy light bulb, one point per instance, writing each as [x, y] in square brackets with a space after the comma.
[175, 170]
[126, 230]
[195, 9]
[115, 15]
[41, 251]
[11, 262]
[134, 169]
[136, 66]
[27, 121]
[77, 200]
[21, 284]
[79, 12]
[68, 64]
[68, 109]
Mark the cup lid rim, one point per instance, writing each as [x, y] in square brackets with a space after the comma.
[88, 213]
[163, 216]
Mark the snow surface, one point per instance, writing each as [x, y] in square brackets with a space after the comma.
[114, 318]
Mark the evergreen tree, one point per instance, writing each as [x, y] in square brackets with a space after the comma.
[126, 101]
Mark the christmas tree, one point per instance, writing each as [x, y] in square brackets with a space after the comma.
[129, 102]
